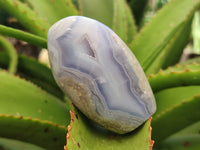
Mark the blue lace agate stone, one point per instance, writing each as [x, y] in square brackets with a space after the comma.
[99, 73]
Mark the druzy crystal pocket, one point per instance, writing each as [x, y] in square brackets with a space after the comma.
[99, 73]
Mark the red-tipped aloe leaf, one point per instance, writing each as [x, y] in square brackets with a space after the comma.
[83, 134]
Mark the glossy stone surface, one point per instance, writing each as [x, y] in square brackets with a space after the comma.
[99, 73]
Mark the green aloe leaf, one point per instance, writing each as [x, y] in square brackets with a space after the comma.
[101, 10]
[186, 139]
[25, 36]
[173, 107]
[52, 10]
[19, 97]
[9, 144]
[123, 23]
[83, 134]
[12, 53]
[179, 75]
[30, 114]
[157, 40]
[196, 32]
[27, 17]
[28, 69]
[45, 134]
[130, 25]
[114, 13]
[171, 53]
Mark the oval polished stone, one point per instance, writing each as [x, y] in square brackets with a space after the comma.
[99, 73]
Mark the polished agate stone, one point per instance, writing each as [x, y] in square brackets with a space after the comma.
[99, 73]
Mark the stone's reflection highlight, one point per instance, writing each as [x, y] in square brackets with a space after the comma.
[99, 73]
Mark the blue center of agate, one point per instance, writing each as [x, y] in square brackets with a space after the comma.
[95, 54]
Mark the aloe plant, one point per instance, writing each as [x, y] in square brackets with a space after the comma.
[35, 114]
